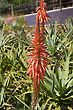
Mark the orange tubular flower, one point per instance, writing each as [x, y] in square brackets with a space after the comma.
[38, 56]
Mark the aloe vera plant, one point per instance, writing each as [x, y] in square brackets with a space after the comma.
[16, 89]
[59, 84]
[13, 66]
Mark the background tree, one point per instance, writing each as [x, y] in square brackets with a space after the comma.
[3, 5]
[16, 2]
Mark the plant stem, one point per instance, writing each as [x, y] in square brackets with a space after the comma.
[36, 86]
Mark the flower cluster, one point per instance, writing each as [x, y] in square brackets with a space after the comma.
[38, 55]
[38, 58]
[41, 12]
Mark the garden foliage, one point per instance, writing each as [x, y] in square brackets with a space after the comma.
[56, 91]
